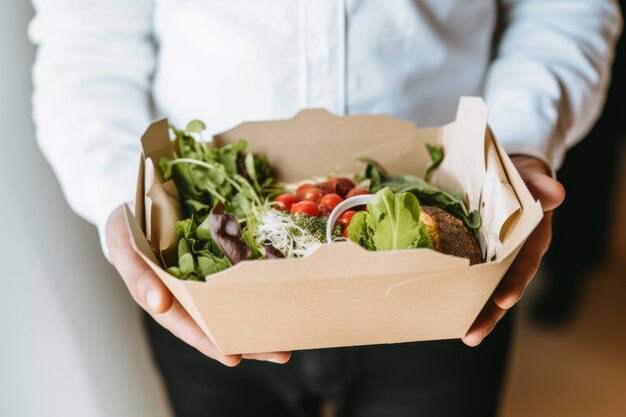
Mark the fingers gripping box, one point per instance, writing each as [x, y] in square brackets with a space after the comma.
[342, 294]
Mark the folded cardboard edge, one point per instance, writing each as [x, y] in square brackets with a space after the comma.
[315, 131]
[315, 116]
[156, 141]
[139, 193]
[531, 213]
[165, 211]
[423, 261]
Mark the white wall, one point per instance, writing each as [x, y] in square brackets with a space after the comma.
[71, 341]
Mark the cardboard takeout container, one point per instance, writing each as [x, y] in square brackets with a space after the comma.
[342, 294]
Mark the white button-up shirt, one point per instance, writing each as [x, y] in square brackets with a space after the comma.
[105, 68]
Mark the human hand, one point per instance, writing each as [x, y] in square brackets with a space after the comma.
[153, 296]
[550, 193]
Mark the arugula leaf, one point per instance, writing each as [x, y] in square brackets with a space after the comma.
[426, 193]
[391, 222]
[430, 195]
[228, 155]
[375, 173]
[206, 175]
[250, 170]
[436, 157]
[248, 235]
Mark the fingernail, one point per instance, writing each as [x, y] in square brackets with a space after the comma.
[153, 299]
[274, 360]
[230, 364]
[472, 340]
[509, 302]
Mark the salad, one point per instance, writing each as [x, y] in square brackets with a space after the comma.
[236, 210]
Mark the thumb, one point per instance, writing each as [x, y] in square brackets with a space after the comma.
[159, 301]
[546, 189]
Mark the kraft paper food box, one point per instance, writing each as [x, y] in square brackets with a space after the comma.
[342, 294]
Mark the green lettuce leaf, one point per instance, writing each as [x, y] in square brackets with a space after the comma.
[361, 230]
[392, 222]
[395, 220]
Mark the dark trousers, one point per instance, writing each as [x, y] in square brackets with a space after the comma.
[440, 378]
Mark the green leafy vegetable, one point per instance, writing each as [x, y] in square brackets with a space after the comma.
[195, 126]
[361, 230]
[226, 233]
[205, 175]
[198, 255]
[436, 157]
[391, 222]
[433, 196]
[426, 193]
[375, 173]
[248, 234]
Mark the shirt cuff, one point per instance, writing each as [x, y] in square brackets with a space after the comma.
[107, 191]
[528, 128]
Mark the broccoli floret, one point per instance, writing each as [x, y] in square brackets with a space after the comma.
[316, 226]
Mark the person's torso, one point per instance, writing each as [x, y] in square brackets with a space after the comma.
[226, 61]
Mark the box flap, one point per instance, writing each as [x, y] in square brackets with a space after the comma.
[519, 227]
[463, 167]
[156, 142]
[316, 142]
[139, 193]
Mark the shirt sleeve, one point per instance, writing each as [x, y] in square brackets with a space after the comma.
[91, 79]
[547, 83]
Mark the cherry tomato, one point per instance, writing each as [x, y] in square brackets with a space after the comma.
[324, 209]
[346, 218]
[331, 200]
[345, 232]
[303, 186]
[306, 207]
[356, 191]
[286, 201]
[302, 189]
[339, 186]
[312, 194]
[326, 186]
